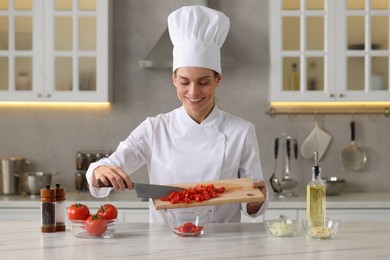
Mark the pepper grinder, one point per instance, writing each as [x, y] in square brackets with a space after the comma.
[48, 209]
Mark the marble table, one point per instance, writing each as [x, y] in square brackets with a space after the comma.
[23, 240]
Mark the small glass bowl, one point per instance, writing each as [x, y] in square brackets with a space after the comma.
[321, 229]
[283, 227]
[188, 222]
[78, 229]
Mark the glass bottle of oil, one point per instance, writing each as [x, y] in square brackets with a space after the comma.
[316, 196]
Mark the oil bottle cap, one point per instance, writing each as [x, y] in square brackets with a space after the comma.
[316, 167]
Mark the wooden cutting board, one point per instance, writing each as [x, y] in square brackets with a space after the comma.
[237, 191]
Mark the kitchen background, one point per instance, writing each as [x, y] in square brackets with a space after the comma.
[50, 137]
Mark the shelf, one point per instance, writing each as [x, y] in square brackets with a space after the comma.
[286, 108]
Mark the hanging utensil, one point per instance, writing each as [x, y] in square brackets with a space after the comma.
[288, 182]
[317, 141]
[275, 184]
[353, 157]
[295, 141]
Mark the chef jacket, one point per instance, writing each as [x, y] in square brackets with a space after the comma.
[176, 149]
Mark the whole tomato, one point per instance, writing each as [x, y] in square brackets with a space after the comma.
[108, 211]
[78, 211]
[95, 225]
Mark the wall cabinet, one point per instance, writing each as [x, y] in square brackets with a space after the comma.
[329, 50]
[55, 50]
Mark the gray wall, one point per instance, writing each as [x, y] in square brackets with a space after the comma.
[51, 137]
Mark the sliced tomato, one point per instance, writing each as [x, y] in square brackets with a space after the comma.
[189, 227]
[198, 193]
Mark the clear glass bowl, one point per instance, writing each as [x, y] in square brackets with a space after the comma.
[321, 229]
[78, 229]
[188, 222]
[283, 227]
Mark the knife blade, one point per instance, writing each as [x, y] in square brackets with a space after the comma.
[145, 190]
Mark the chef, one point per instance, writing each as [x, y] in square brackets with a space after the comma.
[197, 141]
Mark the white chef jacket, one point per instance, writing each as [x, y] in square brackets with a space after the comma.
[176, 149]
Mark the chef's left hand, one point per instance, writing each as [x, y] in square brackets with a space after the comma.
[254, 207]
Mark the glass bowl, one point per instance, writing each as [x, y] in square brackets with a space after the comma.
[78, 229]
[321, 229]
[283, 227]
[188, 222]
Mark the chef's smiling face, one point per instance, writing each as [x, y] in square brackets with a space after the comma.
[196, 90]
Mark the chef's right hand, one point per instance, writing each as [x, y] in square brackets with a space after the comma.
[111, 174]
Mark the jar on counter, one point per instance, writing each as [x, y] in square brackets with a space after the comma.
[80, 161]
[79, 181]
[60, 208]
[48, 209]
[89, 160]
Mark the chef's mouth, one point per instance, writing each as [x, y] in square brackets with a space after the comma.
[195, 100]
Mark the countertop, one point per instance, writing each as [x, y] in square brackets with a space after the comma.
[355, 240]
[128, 199]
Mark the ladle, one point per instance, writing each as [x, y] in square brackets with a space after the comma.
[275, 184]
[289, 183]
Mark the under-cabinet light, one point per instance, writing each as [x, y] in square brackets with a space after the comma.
[92, 105]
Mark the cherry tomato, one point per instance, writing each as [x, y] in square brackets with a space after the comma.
[95, 225]
[108, 211]
[78, 211]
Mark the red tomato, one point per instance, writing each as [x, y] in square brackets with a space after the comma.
[78, 211]
[95, 225]
[108, 211]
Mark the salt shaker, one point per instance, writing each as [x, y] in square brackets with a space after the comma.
[60, 208]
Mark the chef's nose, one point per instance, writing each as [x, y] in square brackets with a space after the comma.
[194, 88]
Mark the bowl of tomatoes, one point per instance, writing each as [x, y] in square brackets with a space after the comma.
[188, 222]
[101, 224]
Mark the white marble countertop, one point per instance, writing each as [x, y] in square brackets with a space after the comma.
[129, 200]
[23, 240]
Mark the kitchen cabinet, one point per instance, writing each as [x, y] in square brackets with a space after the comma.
[361, 215]
[34, 214]
[134, 216]
[142, 215]
[271, 214]
[329, 50]
[55, 51]
[376, 215]
[20, 214]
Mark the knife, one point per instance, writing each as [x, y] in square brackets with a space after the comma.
[148, 190]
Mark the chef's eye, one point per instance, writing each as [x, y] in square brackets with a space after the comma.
[204, 82]
[184, 83]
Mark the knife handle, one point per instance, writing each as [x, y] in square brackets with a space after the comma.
[102, 185]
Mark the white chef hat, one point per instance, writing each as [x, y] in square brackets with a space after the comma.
[197, 33]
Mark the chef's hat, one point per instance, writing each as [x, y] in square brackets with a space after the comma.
[197, 33]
